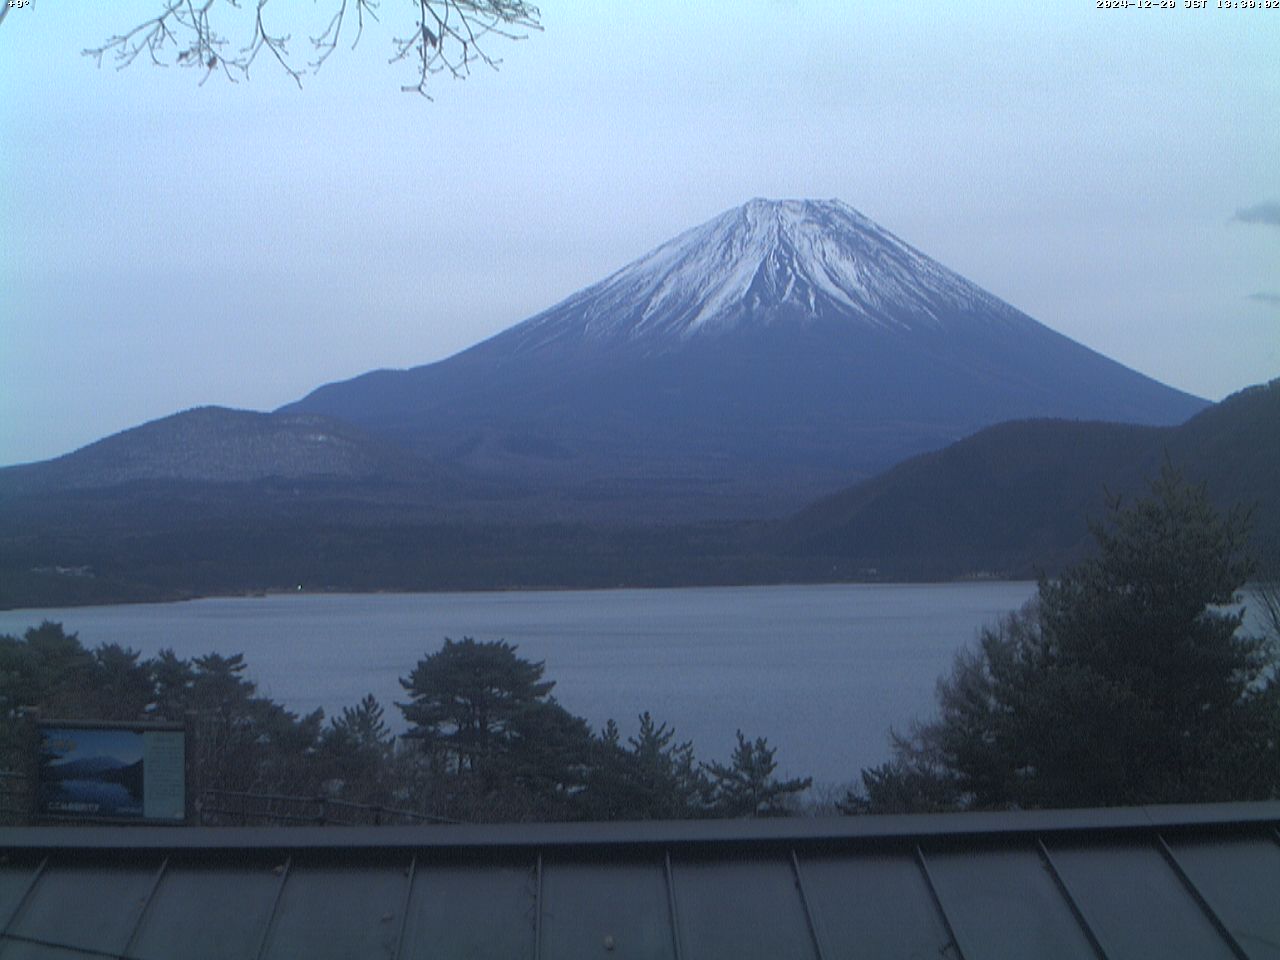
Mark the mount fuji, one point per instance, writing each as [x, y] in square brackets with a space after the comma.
[780, 351]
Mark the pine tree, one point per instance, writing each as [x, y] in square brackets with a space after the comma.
[466, 698]
[747, 786]
[1128, 680]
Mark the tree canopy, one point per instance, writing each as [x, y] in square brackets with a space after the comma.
[468, 700]
[652, 776]
[747, 787]
[494, 739]
[1127, 680]
[487, 741]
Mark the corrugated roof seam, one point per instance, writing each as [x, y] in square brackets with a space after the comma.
[1197, 881]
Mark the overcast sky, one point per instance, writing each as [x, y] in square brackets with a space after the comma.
[1115, 174]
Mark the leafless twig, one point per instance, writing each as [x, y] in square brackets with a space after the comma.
[448, 36]
[327, 42]
[278, 45]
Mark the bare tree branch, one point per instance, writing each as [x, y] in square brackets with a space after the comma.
[448, 36]
[199, 47]
[276, 44]
[327, 41]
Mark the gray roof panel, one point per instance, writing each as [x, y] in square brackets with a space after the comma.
[17, 874]
[1239, 879]
[92, 906]
[874, 906]
[740, 908]
[210, 912]
[1135, 903]
[472, 911]
[1167, 882]
[347, 912]
[1002, 901]
[591, 908]
[27, 950]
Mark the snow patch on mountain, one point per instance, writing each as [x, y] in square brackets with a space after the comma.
[764, 263]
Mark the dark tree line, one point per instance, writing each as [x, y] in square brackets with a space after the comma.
[1129, 680]
[486, 740]
[488, 728]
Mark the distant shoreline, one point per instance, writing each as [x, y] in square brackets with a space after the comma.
[273, 593]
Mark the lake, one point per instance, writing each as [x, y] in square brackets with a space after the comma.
[822, 671]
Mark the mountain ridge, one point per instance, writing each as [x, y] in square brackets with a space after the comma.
[1017, 497]
[779, 350]
[1011, 501]
[669, 447]
[218, 445]
[767, 357]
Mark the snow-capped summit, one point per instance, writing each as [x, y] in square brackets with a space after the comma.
[768, 262]
[777, 352]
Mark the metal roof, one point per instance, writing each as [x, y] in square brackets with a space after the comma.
[1167, 882]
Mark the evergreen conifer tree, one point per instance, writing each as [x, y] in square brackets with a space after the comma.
[1129, 680]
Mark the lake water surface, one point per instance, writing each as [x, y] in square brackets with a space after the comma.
[822, 671]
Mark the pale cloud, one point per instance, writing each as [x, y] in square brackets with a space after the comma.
[1270, 299]
[1264, 213]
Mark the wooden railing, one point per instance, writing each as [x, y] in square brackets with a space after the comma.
[231, 808]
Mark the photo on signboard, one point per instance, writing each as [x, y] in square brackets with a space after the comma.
[91, 772]
[111, 772]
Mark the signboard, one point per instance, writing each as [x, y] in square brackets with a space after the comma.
[112, 771]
